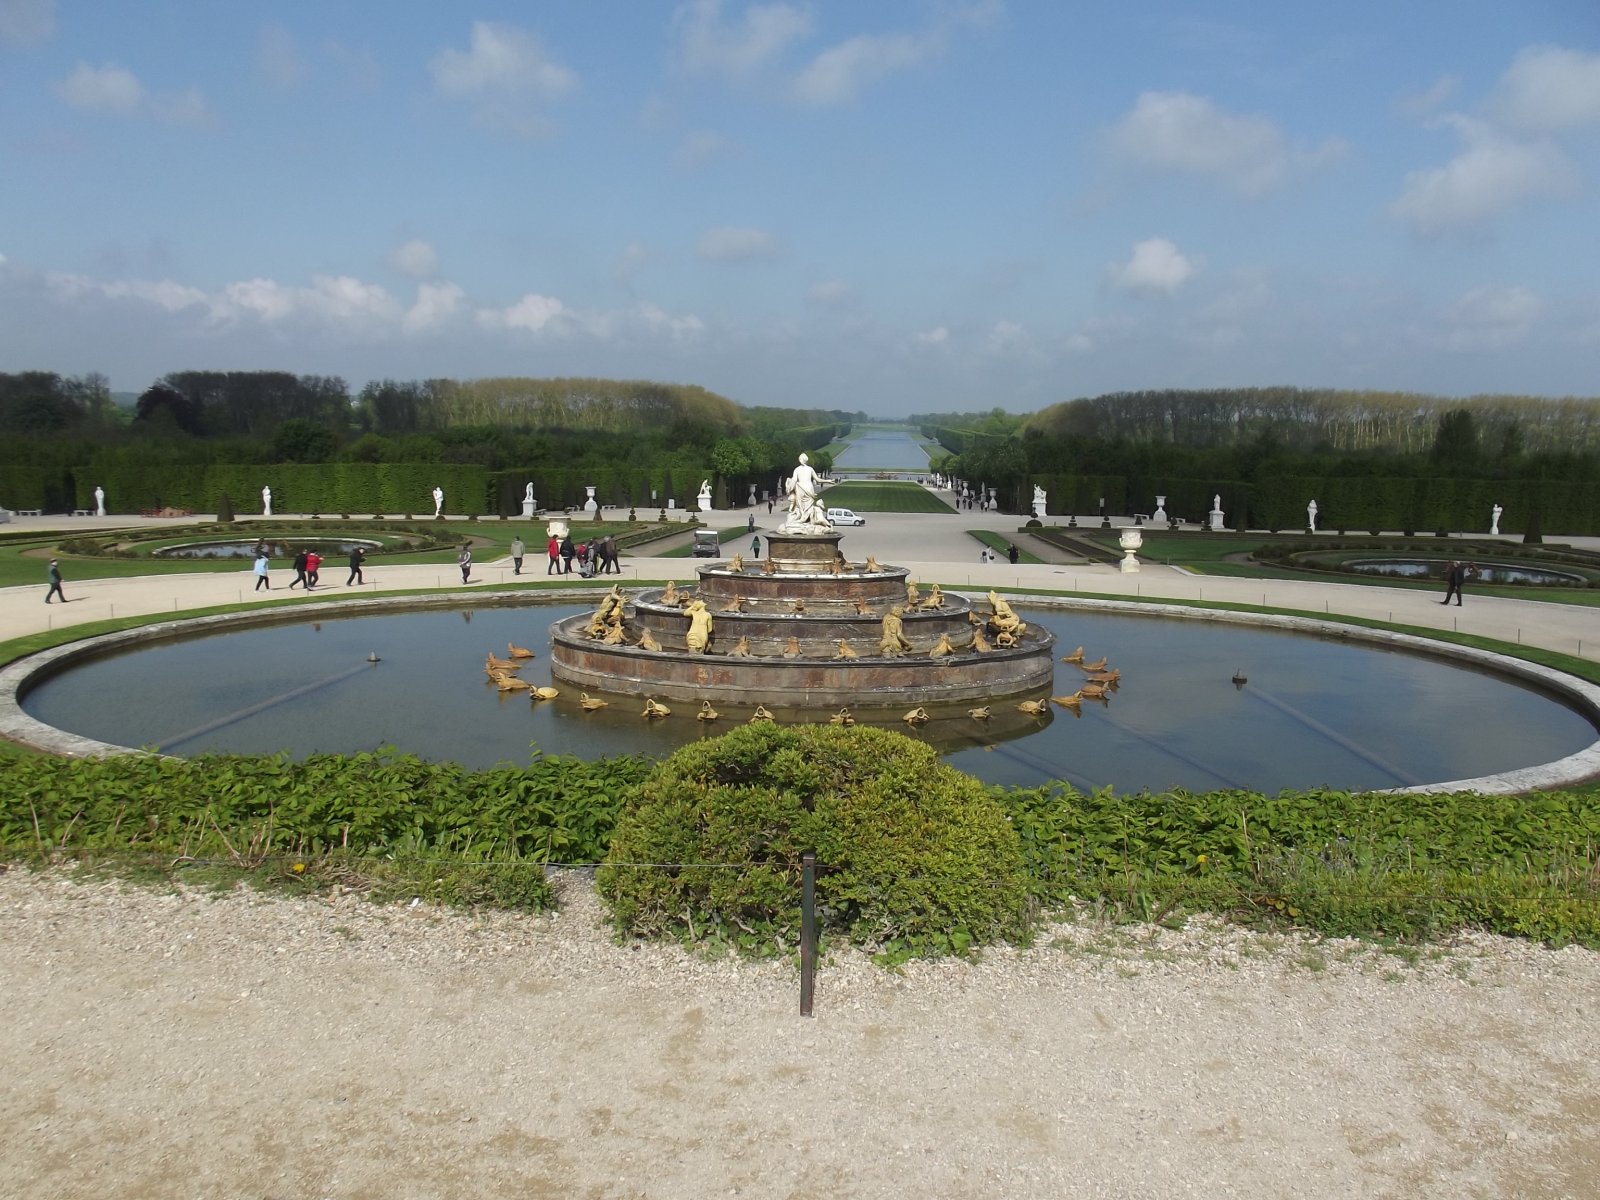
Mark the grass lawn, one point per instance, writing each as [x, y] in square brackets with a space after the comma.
[871, 495]
[1204, 553]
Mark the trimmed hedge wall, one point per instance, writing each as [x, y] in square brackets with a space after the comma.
[1356, 504]
[361, 489]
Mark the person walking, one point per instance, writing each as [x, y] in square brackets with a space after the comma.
[299, 565]
[313, 569]
[1012, 554]
[554, 551]
[518, 551]
[464, 561]
[54, 576]
[1455, 574]
[261, 571]
[611, 566]
[755, 546]
[567, 551]
[357, 557]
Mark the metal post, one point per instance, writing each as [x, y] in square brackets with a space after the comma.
[808, 930]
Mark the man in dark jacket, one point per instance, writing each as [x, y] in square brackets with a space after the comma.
[567, 551]
[300, 571]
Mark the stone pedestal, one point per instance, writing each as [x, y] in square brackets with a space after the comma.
[528, 507]
[1130, 540]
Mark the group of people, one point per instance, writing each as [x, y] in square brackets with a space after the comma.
[1013, 555]
[307, 568]
[597, 556]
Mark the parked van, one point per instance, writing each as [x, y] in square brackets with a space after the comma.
[844, 516]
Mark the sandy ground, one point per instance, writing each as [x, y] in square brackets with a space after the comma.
[185, 1045]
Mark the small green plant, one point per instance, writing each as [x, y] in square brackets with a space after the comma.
[914, 858]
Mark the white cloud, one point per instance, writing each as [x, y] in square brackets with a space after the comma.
[1427, 102]
[1156, 268]
[101, 89]
[702, 147]
[163, 294]
[502, 59]
[416, 258]
[114, 89]
[26, 22]
[708, 45]
[1489, 318]
[629, 262]
[937, 336]
[187, 107]
[677, 328]
[532, 313]
[1491, 176]
[507, 73]
[1548, 88]
[278, 58]
[1176, 131]
[331, 299]
[837, 75]
[734, 244]
[1007, 337]
[436, 303]
[830, 292]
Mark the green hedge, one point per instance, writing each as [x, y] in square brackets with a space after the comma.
[323, 488]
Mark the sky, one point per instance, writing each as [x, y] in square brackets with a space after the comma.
[896, 207]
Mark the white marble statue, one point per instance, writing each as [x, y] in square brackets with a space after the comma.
[438, 501]
[1214, 518]
[1494, 521]
[1311, 516]
[529, 504]
[527, 495]
[705, 495]
[266, 501]
[804, 489]
[1038, 502]
[99, 501]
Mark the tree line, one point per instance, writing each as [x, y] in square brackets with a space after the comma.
[54, 427]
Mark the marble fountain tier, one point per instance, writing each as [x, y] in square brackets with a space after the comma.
[777, 630]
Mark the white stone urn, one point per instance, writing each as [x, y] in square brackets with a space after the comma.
[556, 528]
[589, 504]
[1130, 540]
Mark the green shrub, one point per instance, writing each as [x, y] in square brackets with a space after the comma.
[914, 858]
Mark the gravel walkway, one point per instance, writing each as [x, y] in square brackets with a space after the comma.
[185, 1045]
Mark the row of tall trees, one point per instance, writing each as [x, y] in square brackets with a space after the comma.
[1319, 420]
[1206, 439]
[54, 429]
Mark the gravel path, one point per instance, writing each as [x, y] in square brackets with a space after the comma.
[186, 1045]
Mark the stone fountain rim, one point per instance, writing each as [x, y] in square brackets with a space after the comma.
[22, 674]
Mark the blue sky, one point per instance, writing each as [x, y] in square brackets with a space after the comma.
[898, 206]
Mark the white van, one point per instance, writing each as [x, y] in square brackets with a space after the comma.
[844, 516]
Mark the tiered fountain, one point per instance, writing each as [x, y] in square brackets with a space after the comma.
[804, 628]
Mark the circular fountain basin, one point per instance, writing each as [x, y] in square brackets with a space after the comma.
[1323, 705]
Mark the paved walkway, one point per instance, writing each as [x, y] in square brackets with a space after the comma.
[934, 547]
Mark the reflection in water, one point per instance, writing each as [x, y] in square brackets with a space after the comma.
[1312, 713]
[1419, 568]
[882, 450]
